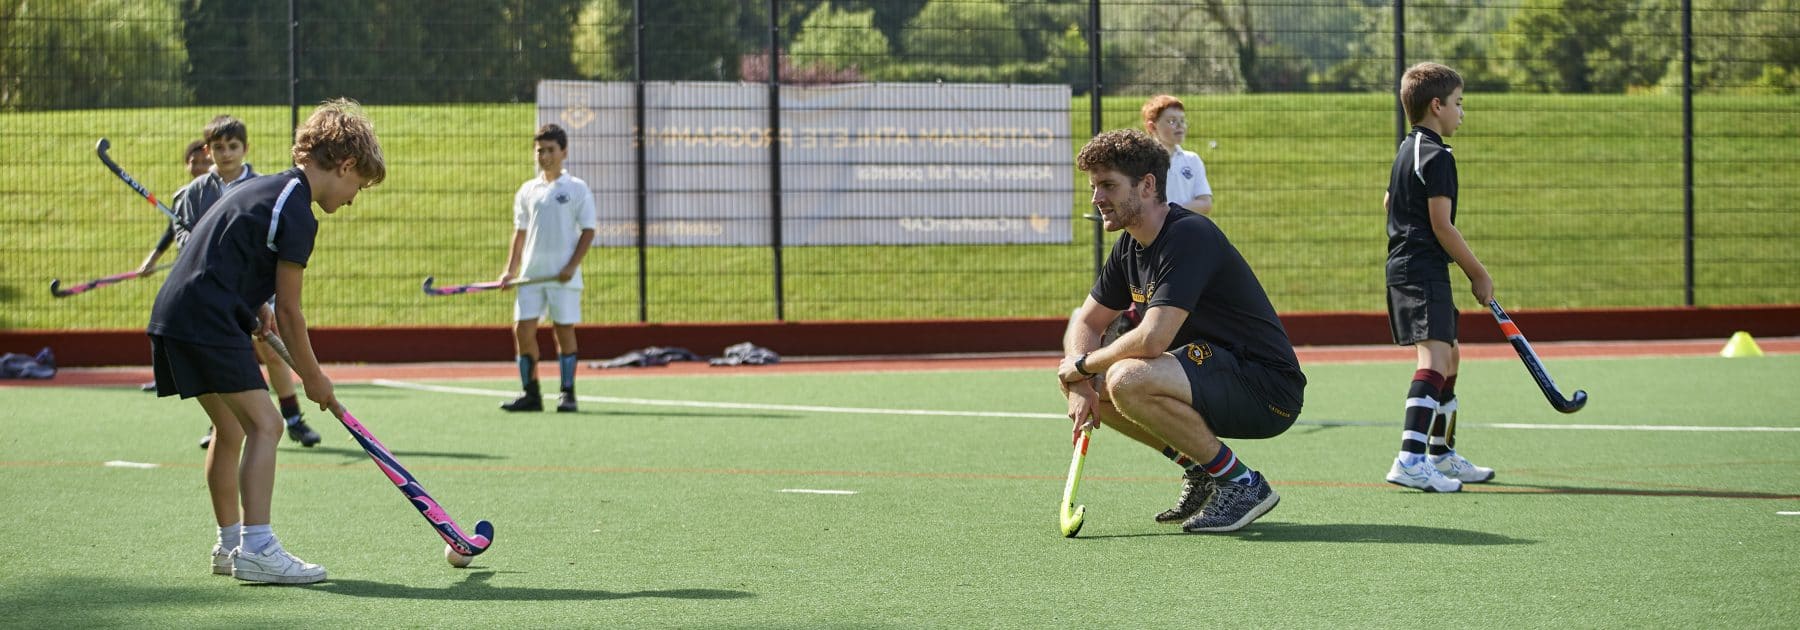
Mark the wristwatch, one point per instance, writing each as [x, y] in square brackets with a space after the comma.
[1081, 365]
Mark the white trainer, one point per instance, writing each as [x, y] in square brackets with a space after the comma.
[221, 560]
[274, 565]
[1455, 467]
[1423, 476]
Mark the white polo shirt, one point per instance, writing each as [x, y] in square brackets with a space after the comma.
[552, 214]
[1187, 177]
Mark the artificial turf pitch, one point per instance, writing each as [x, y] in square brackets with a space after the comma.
[635, 515]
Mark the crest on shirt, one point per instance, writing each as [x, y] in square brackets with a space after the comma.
[562, 197]
[1198, 353]
[1187, 172]
[1142, 295]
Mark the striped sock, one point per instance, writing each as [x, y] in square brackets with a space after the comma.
[1226, 466]
[567, 363]
[1421, 407]
[1180, 460]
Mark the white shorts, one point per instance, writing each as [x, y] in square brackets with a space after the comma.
[564, 303]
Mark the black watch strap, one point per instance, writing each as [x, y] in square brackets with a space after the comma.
[1081, 365]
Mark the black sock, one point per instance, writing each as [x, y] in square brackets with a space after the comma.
[290, 406]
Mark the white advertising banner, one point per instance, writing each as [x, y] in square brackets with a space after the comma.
[861, 164]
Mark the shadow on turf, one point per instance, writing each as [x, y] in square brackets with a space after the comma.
[356, 453]
[475, 587]
[1266, 531]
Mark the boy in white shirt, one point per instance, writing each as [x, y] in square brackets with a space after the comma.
[1166, 120]
[553, 222]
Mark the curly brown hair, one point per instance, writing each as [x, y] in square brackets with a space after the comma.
[339, 130]
[1130, 152]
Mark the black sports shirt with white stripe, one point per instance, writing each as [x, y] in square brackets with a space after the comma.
[227, 268]
[1423, 168]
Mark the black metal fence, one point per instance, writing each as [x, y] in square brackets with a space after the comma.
[1634, 153]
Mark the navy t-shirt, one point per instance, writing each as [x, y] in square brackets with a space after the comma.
[227, 268]
[1193, 267]
[1423, 168]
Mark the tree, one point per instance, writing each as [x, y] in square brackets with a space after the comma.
[840, 40]
[90, 53]
[1583, 46]
[963, 32]
[238, 51]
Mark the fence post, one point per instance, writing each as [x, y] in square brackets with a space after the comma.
[1400, 122]
[1094, 113]
[775, 153]
[293, 68]
[1687, 149]
[640, 197]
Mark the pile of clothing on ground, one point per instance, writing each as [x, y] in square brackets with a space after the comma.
[738, 354]
[40, 365]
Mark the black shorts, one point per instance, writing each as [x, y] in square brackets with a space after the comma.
[1417, 312]
[192, 369]
[1238, 399]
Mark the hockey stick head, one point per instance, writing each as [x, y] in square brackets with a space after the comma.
[427, 285]
[102, 146]
[56, 290]
[1072, 515]
[1572, 405]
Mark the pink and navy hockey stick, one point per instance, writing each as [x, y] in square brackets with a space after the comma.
[476, 287]
[57, 290]
[446, 527]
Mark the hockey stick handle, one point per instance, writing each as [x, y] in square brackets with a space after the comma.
[100, 149]
[453, 535]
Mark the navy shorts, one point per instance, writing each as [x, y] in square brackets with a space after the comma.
[1417, 312]
[1239, 399]
[192, 369]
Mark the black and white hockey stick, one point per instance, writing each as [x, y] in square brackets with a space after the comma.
[1535, 365]
[100, 149]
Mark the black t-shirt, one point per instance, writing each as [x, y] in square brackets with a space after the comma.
[227, 268]
[1191, 266]
[1423, 168]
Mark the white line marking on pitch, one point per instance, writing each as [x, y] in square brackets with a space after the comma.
[653, 402]
[119, 463]
[1787, 513]
[811, 491]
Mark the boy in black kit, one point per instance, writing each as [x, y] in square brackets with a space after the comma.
[1209, 360]
[1422, 242]
[256, 244]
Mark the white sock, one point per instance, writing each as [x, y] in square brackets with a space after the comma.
[258, 538]
[1408, 459]
[230, 536]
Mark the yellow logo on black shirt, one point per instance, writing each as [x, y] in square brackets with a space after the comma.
[1142, 295]
[1199, 353]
